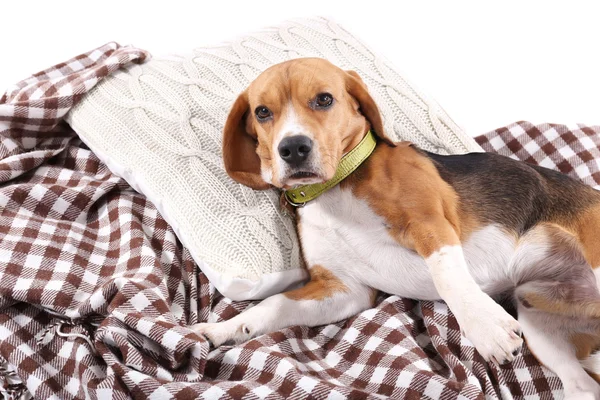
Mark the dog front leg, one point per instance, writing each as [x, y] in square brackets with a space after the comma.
[495, 334]
[324, 299]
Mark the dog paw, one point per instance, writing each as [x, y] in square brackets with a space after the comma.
[495, 334]
[223, 332]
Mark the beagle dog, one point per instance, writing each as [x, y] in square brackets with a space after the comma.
[375, 215]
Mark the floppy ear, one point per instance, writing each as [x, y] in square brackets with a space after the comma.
[239, 148]
[357, 89]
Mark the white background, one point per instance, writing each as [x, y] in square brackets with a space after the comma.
[488, 64]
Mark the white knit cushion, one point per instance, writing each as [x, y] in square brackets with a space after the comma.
[159, 126]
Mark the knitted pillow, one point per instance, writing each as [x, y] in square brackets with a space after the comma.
[159, 126]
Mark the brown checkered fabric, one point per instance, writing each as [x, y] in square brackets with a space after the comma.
[572, 150]
[96, 292]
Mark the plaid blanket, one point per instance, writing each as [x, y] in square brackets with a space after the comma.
[96, 292]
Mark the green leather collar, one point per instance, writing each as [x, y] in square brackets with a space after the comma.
[301, 195]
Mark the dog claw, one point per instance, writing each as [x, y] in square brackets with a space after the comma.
[519, 333]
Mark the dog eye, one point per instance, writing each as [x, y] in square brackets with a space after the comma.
[323, 100]
[262, 113]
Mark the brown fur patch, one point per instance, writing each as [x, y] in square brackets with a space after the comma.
[585, 344]
[373, 296]
[588, 231]
[241, 161]
[404, 187]
[322, 284]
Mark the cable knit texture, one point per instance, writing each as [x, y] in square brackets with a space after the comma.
[159, 126]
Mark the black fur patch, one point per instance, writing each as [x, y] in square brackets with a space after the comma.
[514, 194]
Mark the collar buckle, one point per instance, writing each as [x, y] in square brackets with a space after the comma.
[291, 202]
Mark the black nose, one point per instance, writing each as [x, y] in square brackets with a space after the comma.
[295, 149]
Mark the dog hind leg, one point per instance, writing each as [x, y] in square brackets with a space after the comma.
[550, 339]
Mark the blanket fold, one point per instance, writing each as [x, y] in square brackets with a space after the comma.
[97, 293]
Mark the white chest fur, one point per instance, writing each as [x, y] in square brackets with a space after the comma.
[342, 233]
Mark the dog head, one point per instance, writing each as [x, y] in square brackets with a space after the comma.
[295, 121]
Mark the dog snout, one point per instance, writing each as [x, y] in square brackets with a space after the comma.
[294, 150]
